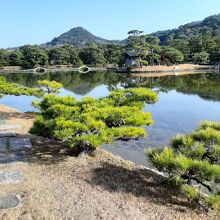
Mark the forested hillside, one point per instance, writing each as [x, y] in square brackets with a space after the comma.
[209, 26]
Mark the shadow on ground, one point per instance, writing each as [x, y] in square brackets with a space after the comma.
[140, 182]
[47, 151]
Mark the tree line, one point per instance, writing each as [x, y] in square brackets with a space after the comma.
[202, 49]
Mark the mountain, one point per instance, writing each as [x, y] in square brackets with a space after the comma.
[80, 37]
[77, 37]
[210, 25]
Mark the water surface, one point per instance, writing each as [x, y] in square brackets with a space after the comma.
[184, 101]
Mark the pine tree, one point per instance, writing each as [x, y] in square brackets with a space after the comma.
[88, 123]
[193, 164]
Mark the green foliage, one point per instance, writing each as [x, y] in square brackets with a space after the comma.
[213, 201]
[114, 53]
[16, 58]
[136, 41]
[195, 160]
[77, 37]
[200, 49]
[209, 26]
[86, 124]
[15, 89]
[3, 58]
[93, 54]
[181, 45]
[50, 86]
[33, 56]
[174, 55]
[64, 55]
[190, 192]
[201, 58]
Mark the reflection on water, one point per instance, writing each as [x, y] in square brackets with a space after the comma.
[184, 101]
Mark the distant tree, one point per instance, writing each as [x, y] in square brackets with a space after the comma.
[210, 26]
[16, 58]
[215, 55]
[209, 43]
[152, 40]
[33, 56]
[196, 44]
[64, 55]
[136, 41]
[153, 55]
[202, 43]
[135, 33]
[114, 53]
[172, 54]
[181, 45]
[58, 56]
[92, 54]
[74, 56]
[201, 58]
[4, 61]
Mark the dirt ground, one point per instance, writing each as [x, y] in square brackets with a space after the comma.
[177, 68]
[11, 116]
[103, 186]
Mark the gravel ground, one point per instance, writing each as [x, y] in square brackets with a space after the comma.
[2, 116]
[56, 186]
[10, 116]
[98, 187]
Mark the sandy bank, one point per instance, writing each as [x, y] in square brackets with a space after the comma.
[57, 186]
[176, 68]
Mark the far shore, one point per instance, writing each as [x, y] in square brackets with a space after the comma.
[186, 68]
[174, 68]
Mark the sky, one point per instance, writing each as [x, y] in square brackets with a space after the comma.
[39, 21]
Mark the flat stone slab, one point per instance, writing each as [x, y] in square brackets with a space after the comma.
[10, 176]
[8, 134]
[3, 144]
[19, 143]
[13, 157]
[9, 127]
[8, 202]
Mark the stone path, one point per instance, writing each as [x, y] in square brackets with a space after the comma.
[12, 149]
[10, 201]
[10, 176]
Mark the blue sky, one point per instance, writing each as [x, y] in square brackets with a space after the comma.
[38, 21]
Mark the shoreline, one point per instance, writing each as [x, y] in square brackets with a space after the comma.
[181, 68]
[27, 122]
[158, 69]
[103, 186]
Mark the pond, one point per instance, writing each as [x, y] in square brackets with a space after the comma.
[184, 101]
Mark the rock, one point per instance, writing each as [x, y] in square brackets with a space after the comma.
[3, 144]
[64, 151]
[19, 143]
[3, 134]
[8, 202]
[179, 208]
[10, 176]
[13, 157]
[9, 127]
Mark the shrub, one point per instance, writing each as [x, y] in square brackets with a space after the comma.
[7, 88]
[193, 160]
[201, 58]
[50, 86]
[88, 123]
